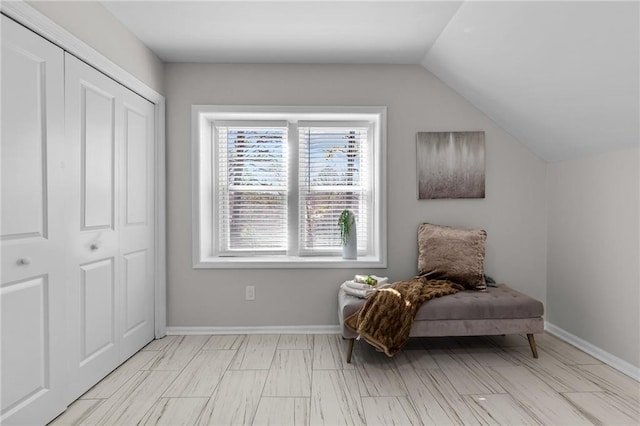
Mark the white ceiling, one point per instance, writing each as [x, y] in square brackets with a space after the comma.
[562, 77]
[286, 32]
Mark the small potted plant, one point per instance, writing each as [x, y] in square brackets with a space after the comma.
[348, 237]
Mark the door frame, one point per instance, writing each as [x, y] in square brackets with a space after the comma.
[23, 13]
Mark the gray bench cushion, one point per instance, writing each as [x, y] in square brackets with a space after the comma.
[500, 302]
[496, 303]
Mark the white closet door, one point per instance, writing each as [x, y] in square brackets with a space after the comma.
[136, 223]
[33, 288]
[91, 123]
[111, 293]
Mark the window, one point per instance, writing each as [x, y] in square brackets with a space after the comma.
[333, 169]
[252, 188]
[270, 183]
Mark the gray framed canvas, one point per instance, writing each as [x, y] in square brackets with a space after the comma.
[450, 165]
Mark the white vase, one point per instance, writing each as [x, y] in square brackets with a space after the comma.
[350, 249]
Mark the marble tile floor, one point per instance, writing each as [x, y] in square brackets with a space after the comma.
[304, 380]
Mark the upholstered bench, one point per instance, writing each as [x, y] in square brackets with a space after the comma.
[500, 310]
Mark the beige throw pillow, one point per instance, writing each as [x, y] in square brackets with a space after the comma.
[453, 254]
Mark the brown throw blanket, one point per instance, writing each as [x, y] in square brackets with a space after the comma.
[386, 317]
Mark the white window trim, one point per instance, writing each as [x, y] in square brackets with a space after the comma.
[203, 203]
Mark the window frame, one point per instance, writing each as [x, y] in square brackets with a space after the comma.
[203, 161]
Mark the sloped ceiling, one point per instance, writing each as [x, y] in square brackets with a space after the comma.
[562, 77]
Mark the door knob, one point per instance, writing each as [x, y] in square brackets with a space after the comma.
[94, 247]
[24, 261]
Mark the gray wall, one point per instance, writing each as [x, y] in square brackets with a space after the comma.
[593, 289]
[513, 213]
[96, 26]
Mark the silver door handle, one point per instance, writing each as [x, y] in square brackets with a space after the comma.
[24, 261]
[94, 247]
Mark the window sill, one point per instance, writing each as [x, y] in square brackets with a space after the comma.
[289, 262]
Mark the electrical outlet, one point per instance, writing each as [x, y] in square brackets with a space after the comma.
[250, 292]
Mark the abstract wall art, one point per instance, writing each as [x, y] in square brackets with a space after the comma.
[450, 165]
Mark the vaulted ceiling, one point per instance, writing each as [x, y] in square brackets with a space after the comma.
[562, 77]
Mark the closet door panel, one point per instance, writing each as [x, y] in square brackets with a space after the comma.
[98, 147]
[137, 228]
[33, 243]
[26, 344]
[135, 276]
[136, 182]
[92, 120]
[97, 307]
[23, 200]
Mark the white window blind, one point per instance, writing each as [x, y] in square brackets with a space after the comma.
[334, 168]
[252, 188]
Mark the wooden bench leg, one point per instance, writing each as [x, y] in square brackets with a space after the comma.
[532, 344]
[349, 350]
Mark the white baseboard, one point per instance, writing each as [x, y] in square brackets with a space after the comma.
[284, 329]
[596, 352]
